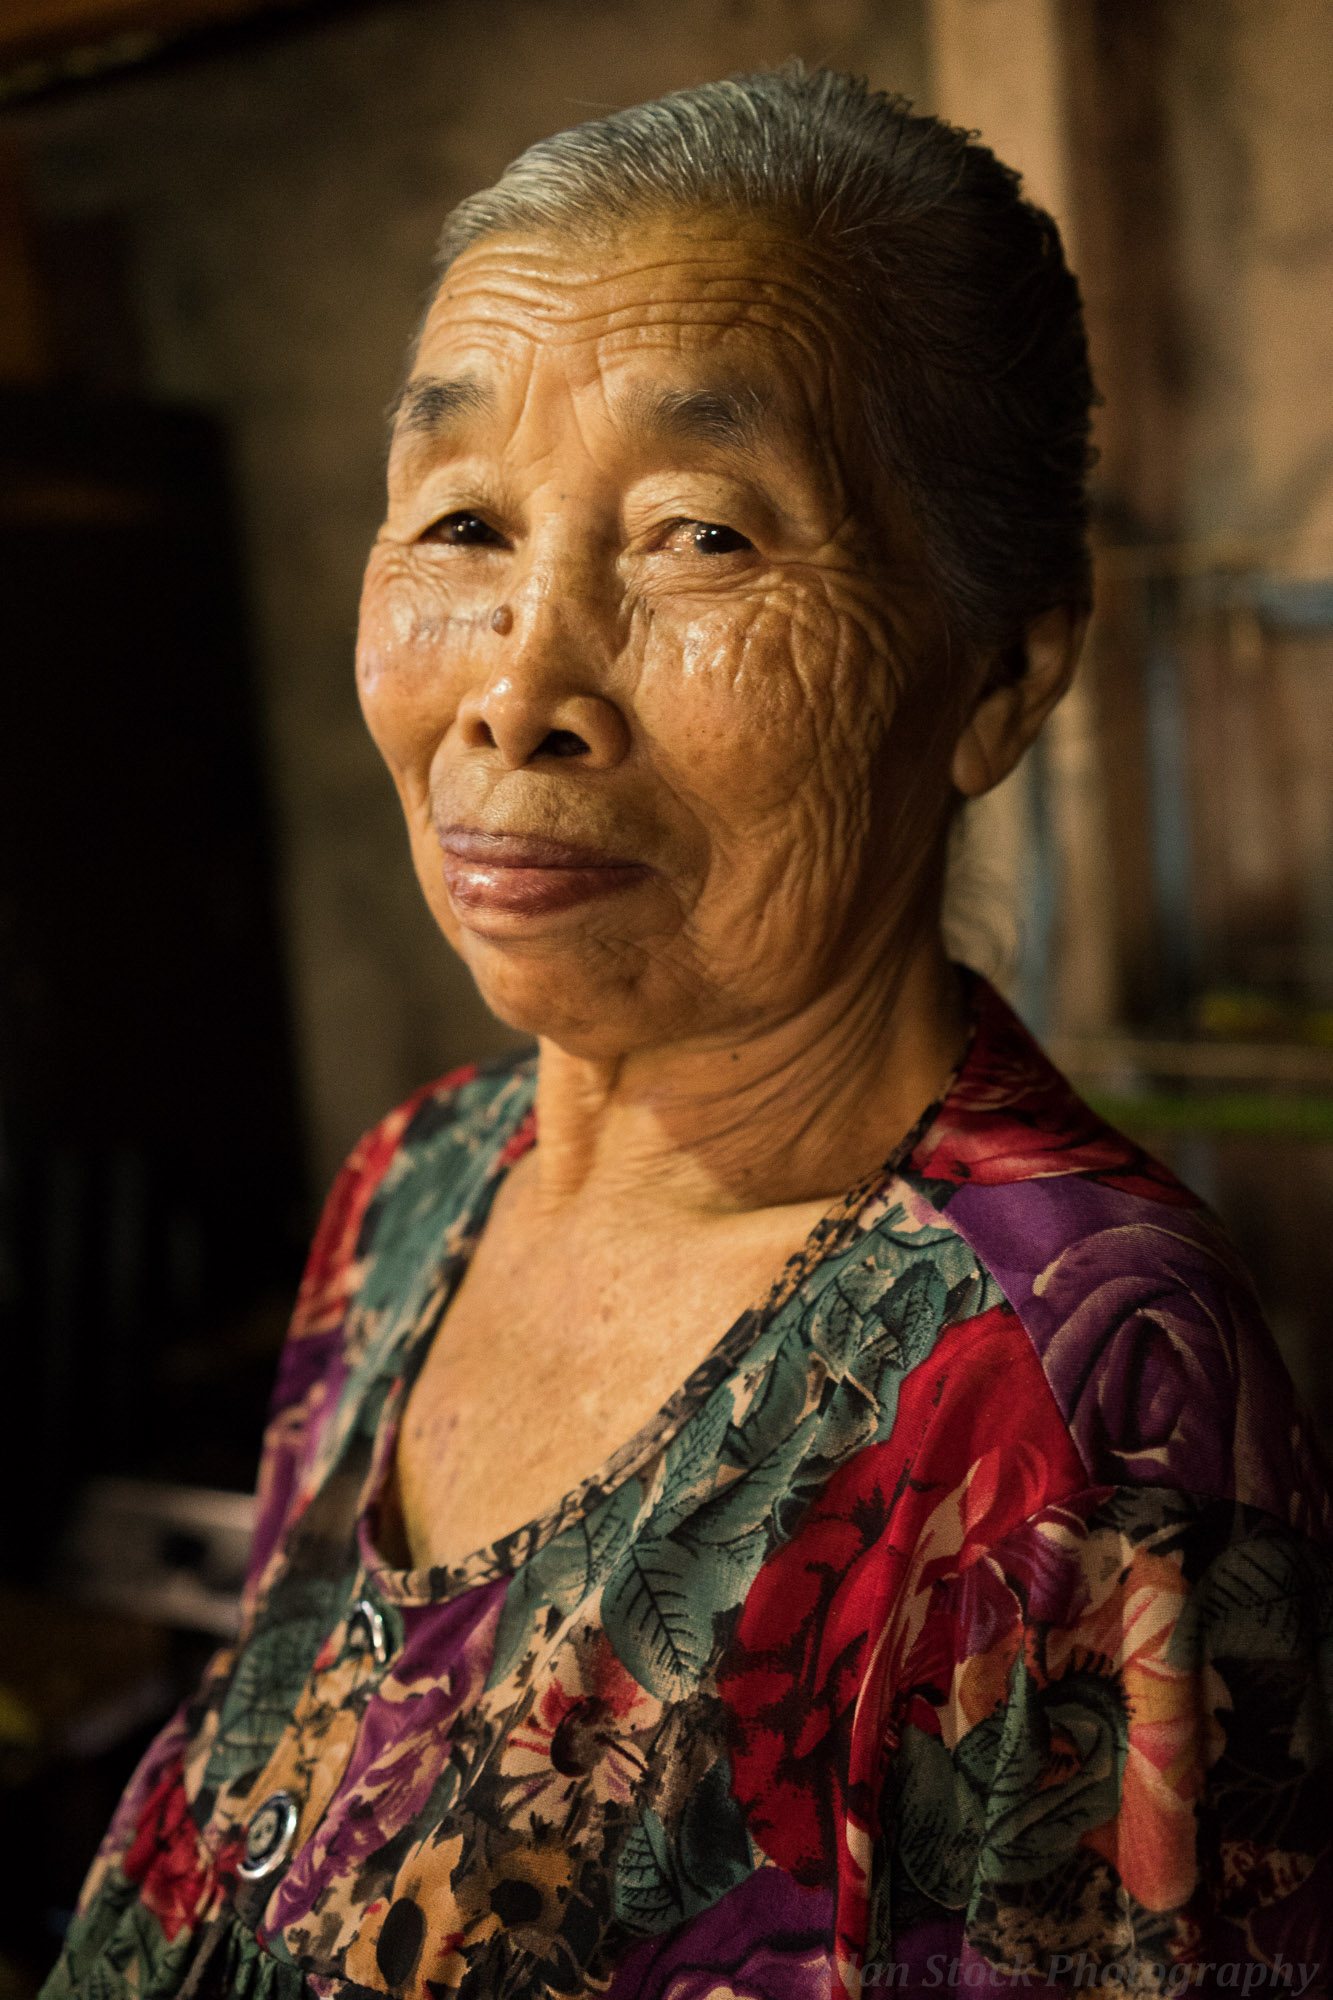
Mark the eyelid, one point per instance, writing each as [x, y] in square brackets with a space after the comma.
[453, 489]
[655, 509]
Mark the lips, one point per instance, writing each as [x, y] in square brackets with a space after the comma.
[528, 874]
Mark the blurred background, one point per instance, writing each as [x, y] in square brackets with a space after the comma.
[216, 225]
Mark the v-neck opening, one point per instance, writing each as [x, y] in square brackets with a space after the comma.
[504, 1556]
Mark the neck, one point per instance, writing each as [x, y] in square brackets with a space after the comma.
[796, 1112]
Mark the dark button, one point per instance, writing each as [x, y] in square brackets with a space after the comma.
[365, 1631]
[269, 1836]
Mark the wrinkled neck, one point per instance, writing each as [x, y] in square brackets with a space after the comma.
[796, 1110]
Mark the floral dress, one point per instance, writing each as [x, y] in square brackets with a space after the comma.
[963, 1620]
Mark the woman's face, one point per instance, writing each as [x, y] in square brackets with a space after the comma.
[645, 645]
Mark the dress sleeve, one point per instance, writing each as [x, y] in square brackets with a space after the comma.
[1120, 1781]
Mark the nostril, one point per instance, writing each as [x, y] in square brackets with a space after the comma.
[562, 743]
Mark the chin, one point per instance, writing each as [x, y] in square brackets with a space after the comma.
[597, 1014]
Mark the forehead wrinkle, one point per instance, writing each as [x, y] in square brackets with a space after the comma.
[727, 283]
[758, 359]
[540, 267]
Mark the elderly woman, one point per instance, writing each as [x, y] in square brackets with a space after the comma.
[773, 1496]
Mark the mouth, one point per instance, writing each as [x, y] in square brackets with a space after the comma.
[529, 874]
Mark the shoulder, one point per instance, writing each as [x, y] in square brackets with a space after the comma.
[444, 1135]
[400, 1185]
[1145, 1325]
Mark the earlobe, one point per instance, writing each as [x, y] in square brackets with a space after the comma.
[983, 753]
[1007, 720]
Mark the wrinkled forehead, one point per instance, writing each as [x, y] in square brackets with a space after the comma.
[725, 330]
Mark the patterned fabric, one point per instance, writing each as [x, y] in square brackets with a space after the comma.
[964, 1619]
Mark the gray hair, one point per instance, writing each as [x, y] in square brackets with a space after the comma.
[969, 341]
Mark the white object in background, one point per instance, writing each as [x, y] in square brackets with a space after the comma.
[173, 1555]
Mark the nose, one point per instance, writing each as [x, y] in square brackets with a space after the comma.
[542, 697]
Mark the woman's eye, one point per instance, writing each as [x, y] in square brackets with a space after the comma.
[710, 538]
[464, 530]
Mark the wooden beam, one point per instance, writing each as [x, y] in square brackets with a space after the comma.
[998, 69]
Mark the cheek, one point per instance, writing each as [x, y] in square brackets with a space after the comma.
[772, 710]
[410, 662]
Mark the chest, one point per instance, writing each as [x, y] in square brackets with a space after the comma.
[555, 1351]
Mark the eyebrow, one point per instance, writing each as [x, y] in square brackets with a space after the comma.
[429, 403]
[698, 416]
[718, 415]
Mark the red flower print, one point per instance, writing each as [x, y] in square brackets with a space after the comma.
[1011, 1116]
[167, 1858]
[836, 1623]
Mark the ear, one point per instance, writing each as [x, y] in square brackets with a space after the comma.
[1005, 721]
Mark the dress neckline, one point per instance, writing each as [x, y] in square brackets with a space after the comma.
[502, 1558]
